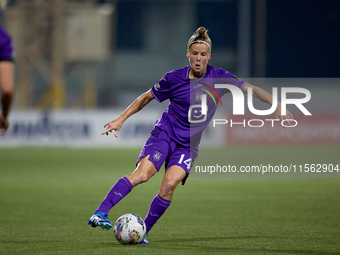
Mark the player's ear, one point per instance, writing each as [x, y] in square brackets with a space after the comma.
[209, 56]
[188, 55]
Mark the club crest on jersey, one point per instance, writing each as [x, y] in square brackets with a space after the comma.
[198, 96]
[157, 156]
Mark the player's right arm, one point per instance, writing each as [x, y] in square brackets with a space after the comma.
[136, 106]
[6, 78]
[6, 92]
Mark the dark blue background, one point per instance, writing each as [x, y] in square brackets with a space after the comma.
[303, 36]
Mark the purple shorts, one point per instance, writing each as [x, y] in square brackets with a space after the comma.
[163, 149]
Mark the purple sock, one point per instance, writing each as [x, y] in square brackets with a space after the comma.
[157, 207]
[118, 191]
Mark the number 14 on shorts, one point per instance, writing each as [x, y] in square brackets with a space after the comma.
[187, 162]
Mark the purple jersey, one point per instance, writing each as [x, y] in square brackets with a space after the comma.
[184, 93]
[6, 47]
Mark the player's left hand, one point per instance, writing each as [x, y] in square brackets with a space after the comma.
[287, 117]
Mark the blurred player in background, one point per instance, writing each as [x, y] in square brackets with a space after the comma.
[174, 140]
[6, 78]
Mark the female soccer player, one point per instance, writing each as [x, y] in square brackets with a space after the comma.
[176, 135]
[6, 78]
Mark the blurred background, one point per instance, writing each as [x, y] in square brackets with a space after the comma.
[82, 62]
[79, 63]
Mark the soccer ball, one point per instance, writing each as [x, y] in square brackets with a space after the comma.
[129, 229]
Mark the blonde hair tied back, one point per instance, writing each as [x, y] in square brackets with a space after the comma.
[200, 36]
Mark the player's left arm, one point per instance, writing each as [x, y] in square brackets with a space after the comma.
[264, 96]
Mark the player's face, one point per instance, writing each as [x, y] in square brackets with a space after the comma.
[199, 55]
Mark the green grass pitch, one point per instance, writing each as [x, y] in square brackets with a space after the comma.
[48, 194]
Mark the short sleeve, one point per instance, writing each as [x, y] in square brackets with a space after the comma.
[6, 51]
[162, 89]
[235, 80]
[6, 46]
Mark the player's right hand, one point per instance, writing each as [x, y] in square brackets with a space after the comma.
[112, 125]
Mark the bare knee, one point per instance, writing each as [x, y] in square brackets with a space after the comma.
[173, 176]
[138, 178]
[167, 189]
[144, 171]
[142, 177]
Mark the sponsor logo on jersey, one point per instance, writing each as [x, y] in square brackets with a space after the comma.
[214, 91]
[156, 86]
[235, 77]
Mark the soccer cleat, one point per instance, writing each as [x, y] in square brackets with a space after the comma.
[144, 240]
[100, 219]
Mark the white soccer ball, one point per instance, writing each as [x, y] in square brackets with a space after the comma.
[129, 229]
